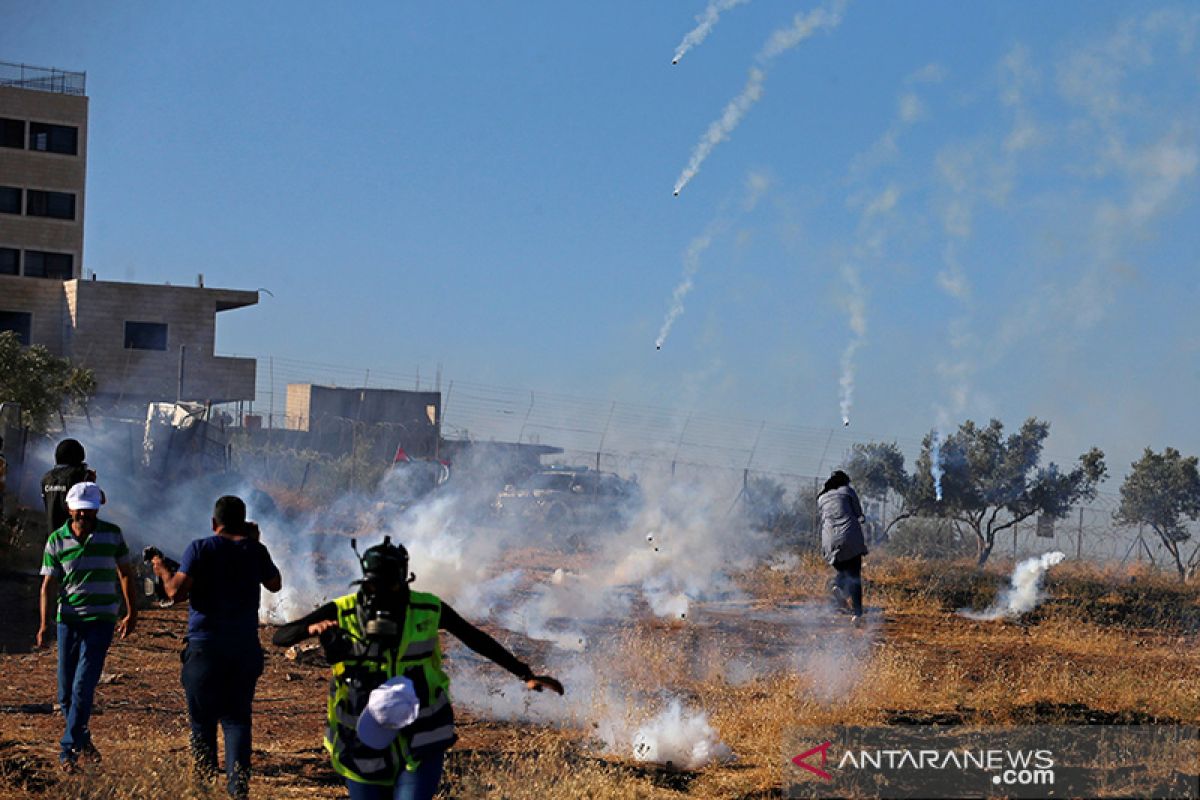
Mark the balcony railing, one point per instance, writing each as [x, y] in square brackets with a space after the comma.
[42, 79]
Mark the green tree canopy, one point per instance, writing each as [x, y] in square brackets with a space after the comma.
[41, 383]
[989, 482]
[1163, 492]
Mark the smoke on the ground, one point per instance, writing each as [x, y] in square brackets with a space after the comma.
[1024, 592]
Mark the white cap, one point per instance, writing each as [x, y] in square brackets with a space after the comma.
[392, 706]
[85, 495]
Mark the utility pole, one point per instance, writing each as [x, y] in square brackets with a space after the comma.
[179, 384]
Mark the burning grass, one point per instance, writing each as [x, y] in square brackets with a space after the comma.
[1105, 647]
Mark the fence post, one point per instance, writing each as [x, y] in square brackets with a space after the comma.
[1079, 537]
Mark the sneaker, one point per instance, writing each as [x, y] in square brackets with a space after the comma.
[857, 620]
[88, 754]
[68, 766]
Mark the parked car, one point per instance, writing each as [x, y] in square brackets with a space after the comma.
[572, 499]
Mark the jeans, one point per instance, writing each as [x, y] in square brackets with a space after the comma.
[218, 681]
[849, 580]
[82, 647]
[421, 784]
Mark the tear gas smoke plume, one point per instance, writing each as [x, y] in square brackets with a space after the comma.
[679, 549]
[704, 25]
[673, 558]
[678, 737]
[935, 462]
[756, 186]
[803, 26]
[1024, 592]
[857, 310]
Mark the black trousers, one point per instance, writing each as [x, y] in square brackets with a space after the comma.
[849, 580]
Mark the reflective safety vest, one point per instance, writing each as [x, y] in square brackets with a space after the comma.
[418, 656]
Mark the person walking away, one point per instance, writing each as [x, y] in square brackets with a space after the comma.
[842, 542]
[222, 657]
[69, 468]
[82, 565]
[381, 633]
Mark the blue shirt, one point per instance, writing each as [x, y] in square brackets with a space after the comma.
[226, 576]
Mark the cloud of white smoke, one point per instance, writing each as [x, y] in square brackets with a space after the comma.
[1024, 592]
[680, 738]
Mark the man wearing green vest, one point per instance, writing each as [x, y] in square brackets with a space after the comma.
[381, 632]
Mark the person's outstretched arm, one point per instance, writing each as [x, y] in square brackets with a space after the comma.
[492, 650]
[310, 625]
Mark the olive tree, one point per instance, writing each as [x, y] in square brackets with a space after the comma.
[984, 481]
[1162, 491]
[42, 384]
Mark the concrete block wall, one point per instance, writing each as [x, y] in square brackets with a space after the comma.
[45, 301]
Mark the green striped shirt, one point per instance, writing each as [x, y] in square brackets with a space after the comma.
[86, 572]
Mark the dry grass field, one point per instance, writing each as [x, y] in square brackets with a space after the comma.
[1106, 647]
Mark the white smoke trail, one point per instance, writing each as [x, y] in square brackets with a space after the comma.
[756, 186]
[803, 26]
[691, 263]
[704, 25]
[857, 308]
[935, 462]
[720, 129]
[681, 738]
[1024, 592]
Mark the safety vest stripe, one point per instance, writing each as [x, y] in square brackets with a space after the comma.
[419, 649]
[370, 764]
[436, 735]
[345, 718]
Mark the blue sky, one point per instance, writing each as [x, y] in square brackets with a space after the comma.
[1000, 198]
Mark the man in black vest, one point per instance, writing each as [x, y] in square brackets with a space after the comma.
[69, 469]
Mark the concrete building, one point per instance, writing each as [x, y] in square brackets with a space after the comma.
[144, 342]
[415, 418]
[43, 171]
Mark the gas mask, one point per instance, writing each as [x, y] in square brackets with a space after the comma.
[383, 591]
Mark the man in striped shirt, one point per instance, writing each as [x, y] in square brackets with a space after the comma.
[82, 565]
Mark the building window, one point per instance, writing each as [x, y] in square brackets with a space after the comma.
[10, 200]
[19, 322]
[59, 266]
[10, 261]
[59, 205]
[145, 336]
[50, 138]
[12, 133]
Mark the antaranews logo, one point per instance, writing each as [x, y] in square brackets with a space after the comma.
[801, 760]
[1003, 766]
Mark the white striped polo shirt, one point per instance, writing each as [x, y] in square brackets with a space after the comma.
[86, 572]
